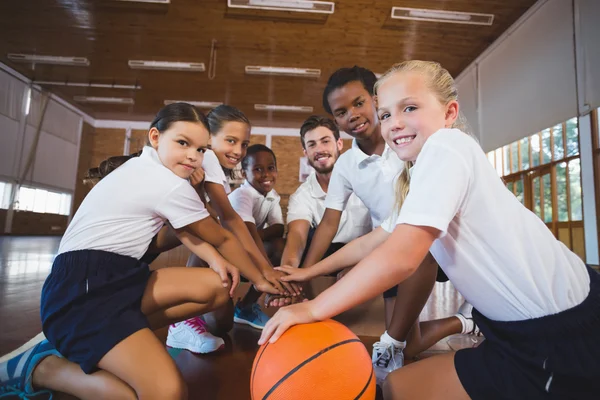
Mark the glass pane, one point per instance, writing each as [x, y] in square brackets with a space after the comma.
[514, 151]
[510, 186]
[575, 187]
[536, 197]
[65, 204]
[53, 203]
[572, 137]
[546, 147]
[5, 188]
[525, 154]
[499, 161]
[506, 163]
[547, 198]
[559, 150]
[39, 204]
[490, 157]
[519, 190]
[561, 192]
[535, 150]
[25, 199]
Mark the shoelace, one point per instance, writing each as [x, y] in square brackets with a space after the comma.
[17, 391]
[197, 324]
[256, 311]
[384, 358]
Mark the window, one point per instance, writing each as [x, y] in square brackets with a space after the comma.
[5, 190]
[42, 201]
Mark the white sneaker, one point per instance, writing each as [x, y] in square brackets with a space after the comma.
[192, 335]
[386, 358]
[466, 310]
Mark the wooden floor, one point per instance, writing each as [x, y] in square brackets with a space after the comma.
[25, 262]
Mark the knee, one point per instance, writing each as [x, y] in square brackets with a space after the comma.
[172, 388]
[391, 391]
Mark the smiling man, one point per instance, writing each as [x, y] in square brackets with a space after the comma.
[320, 138]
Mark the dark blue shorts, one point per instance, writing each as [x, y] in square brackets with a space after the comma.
[552, 357]
[91, 301]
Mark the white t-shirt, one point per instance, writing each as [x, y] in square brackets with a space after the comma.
[372, 178]
[308, 203]
[213, 172]
[125, 210]
[497, 253]
[254, 207]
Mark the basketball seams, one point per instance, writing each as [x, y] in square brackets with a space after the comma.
[256, 367]
[305, 362]
[366, 386]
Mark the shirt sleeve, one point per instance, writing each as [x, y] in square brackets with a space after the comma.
[212, 169]
[275, 215]
[241, 202]
[339, 189]
[438, 188]
[181, 206]
[298, 208]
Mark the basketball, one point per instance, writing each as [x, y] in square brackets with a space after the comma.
[318, 361]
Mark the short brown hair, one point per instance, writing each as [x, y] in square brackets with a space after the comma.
[313, 122]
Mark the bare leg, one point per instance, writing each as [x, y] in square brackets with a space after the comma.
[430, 379]
[388, 307]
[427, 333]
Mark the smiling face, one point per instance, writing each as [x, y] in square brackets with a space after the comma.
[181, 147]
[261, 171]
[354, 110]
[230, 143]
[321, 149]
[410, 112]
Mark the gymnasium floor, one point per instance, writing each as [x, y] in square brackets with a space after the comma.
[25, 262]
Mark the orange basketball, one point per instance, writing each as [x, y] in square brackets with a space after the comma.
[319, 361]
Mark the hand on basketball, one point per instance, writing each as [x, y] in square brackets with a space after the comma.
[197, 177]
[225, 270]
[295, 274]
[284, 319]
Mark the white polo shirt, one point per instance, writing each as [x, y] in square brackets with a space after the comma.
[213, 172]
[372, 178]
[497, 253]
[253, 207]
[125, 210]
[308, 203]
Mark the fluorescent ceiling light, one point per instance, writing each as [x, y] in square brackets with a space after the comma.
[199, 104]
[148, 1]
[87, 84]
[275, 107]
[56, 60]
[306, 6]
[103, 100]
[166, 65]
[454, 17]
[283, 71]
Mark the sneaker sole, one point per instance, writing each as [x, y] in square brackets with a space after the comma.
[174, 344]
[245, 322]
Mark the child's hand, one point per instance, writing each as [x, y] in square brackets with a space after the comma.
[197, 177]
[285, 318]
[266, 287]
[275, 277]
[225, 269]
[272, 300]
[295, 274]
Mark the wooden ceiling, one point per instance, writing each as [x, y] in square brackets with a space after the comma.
[109, 33]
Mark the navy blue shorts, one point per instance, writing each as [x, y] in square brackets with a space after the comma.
[552, 357]
[91, 301]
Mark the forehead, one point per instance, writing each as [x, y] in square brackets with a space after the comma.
[401, 85]
[318, 133]
[262, 157]
[239, 130]
[346, 94]
[194, 131]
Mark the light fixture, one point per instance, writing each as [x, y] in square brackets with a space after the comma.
[199, 104]
[283, 71]
[306, 6]
[56, 60]
[275, 107]
[103, 100]
[454, 17]
[166, 65]
[148, 1]
[87, 84]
